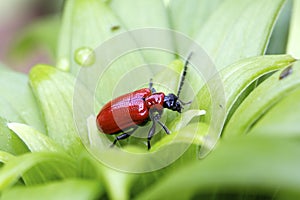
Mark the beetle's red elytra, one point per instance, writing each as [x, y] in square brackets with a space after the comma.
[128, 110]
[126, 113]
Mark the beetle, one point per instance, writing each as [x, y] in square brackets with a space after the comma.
[126, 113]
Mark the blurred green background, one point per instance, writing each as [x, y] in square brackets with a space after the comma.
[16, 17]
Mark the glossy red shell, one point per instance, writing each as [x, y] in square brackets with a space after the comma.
[128, 110]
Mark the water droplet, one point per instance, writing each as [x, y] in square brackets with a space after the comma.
[85, 56]
[63, 64]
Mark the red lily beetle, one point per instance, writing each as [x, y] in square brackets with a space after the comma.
[126, 113]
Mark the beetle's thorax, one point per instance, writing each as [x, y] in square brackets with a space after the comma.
[155, 101]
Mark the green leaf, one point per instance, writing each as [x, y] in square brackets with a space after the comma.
[9, 142]
[5, 157]
[17, 101]
[219, 101]
[54, 90]
[294, 32]
[265, 96]
[74, 189]
[91, 24]
[117, 184]
[238, 76]
[239, 29]
[84, 24]
[189, 17]
[55, 166]
[33, 139]
[183, 132]
[143, 15]
[282, 120]
[279, 37]
[252, 165]
[88, 23]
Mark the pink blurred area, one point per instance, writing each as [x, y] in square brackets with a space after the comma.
[15, 15]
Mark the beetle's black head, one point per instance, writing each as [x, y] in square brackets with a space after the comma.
[172, 102]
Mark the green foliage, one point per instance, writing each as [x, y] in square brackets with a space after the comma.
[235, 168]
[14, 87]
[228, 37]
[54, 91]
[55, 166]
[10, 142]
[294, 31]
[71, 189]
[256, 109]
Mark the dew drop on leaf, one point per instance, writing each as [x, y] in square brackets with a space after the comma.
[63, 64]
[85, 56]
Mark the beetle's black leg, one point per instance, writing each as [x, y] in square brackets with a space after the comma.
[151, 133]
[151, 86]
[163, 126]
[155, 117]
[123, 136]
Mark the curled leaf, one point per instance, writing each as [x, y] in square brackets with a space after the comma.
[54, 90]
[61, 166]
[265, 96]
[33, 139]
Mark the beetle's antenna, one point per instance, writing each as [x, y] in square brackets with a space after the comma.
[184, 74]
[151, 86]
